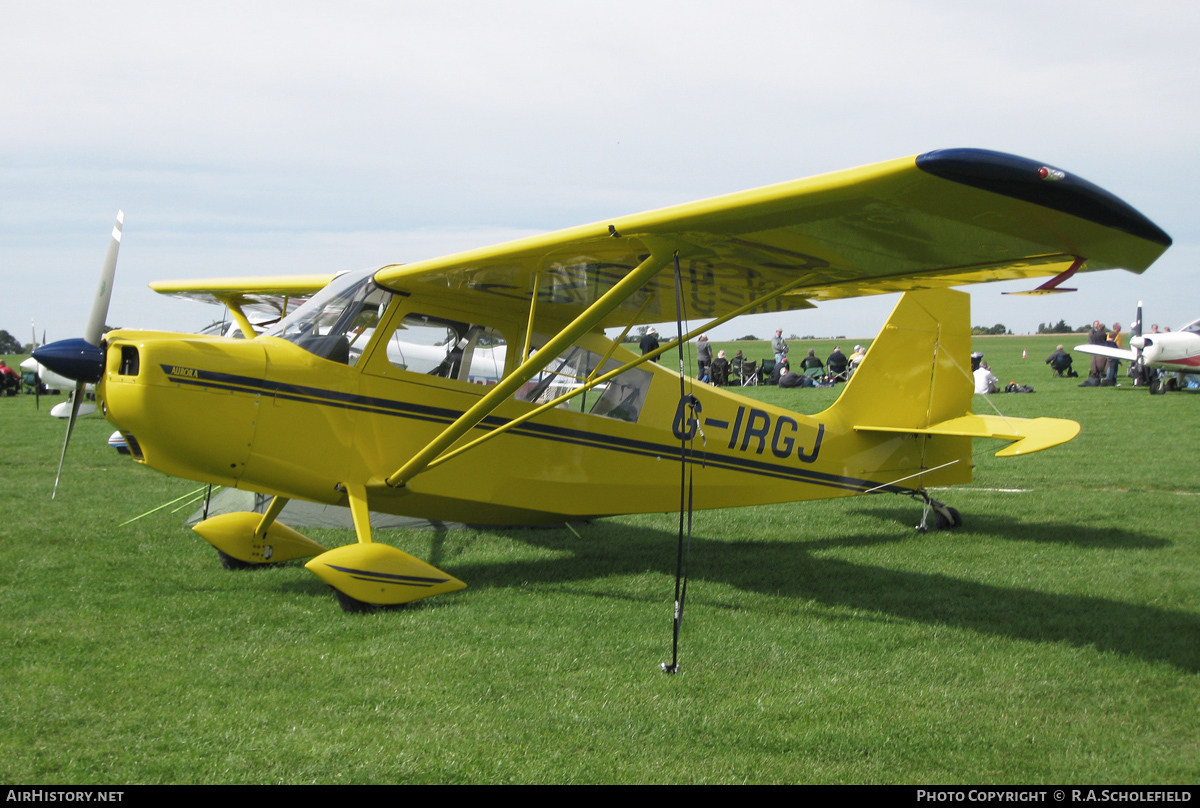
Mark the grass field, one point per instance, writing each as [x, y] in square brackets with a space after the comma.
[1055, 638]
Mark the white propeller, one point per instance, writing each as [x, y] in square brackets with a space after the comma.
[92, 335]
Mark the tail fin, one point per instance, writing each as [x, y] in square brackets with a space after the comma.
[916, 382]
[918, 370]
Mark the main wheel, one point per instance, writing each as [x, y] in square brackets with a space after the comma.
[356, 606]
[353, 605]
[1157, 388]
[229, 562]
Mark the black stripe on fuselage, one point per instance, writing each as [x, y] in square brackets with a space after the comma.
[384, 406]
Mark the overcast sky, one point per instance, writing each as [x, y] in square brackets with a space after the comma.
[261, 138]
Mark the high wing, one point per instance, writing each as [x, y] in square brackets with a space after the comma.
[944, 218]
[248, 291]
[263, 299]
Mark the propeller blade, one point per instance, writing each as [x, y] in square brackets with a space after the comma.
[95, 324]
[83, 359]
[76, 397]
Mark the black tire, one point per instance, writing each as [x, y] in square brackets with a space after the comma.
[942, 523]
[1157, 388]
[354, 605]
[1172, 384]
[231, 563]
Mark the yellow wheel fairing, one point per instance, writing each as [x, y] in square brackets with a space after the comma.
[379, 574]
[234, 535]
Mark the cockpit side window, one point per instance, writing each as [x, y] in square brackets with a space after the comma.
[621, 397]
[447, 348]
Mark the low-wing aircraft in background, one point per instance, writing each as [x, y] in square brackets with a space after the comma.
[321, 408]
[1156, 356]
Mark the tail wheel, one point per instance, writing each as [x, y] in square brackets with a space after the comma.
[947, 520]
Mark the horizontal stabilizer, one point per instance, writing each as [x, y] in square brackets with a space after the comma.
[1030, 434]
[1105, 350]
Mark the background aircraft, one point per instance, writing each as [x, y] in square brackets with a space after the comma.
[1175, 352]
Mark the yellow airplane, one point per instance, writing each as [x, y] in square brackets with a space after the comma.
[328, 406]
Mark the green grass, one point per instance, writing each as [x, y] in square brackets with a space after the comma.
[1055, 638]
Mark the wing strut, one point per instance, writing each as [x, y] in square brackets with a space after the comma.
[588, 385]
[596, 312]
[236, 310]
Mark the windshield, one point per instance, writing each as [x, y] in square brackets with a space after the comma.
[337, 322]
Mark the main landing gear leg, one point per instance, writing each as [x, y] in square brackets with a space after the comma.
[367, 576]
[944, 517]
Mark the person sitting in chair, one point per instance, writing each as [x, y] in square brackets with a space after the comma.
[10, 380]
[837, 364]
[856, 357]
[811, 361]
[720, 370]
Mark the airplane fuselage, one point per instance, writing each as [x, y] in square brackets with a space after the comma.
[1177, 351]
[270, 416]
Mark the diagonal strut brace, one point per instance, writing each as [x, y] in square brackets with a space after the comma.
[635, 280]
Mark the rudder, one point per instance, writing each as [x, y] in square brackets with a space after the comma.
[918, 370]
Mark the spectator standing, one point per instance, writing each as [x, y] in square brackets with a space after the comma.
[1098, 336]
[649, 342]
[704, 357]
[1114, 364]
[779, 346]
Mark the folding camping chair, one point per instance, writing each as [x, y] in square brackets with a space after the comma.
[748, 373]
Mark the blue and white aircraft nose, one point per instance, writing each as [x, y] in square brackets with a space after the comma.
[76, 359]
